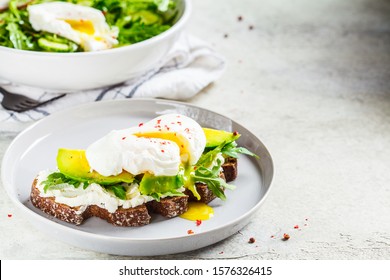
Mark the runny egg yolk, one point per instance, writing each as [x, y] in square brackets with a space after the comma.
[83, 26]
[198, 211]
[181, 142]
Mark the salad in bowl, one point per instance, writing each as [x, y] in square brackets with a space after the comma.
[79, 25]
[74, 45]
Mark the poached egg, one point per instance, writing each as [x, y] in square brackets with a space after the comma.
[158, 147]
[85, 26]
[4, 4]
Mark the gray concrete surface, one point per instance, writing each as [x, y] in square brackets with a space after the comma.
[311, 80]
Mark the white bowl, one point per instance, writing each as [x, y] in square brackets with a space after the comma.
[87, 70]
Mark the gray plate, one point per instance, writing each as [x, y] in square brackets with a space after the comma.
[36, 147]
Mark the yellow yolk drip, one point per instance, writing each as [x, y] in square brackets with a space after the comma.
[83, 26]
[198, 211]
[170, 136]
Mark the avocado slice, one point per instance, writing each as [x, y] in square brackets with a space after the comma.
[147, 17]
[151, 184]
[74, 164]
[56, 44]
[215, 137]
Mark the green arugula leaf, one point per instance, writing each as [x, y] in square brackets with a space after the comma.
[17, 28]
[57, 178]
[13, 7]
[232, 150]
[140, 32]
[207, 158]
[227, 149]
[137, 20]
[118, 190]
[211, 178]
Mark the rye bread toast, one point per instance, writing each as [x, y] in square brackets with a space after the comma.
[230, 169]
[169, 207]
[137, 216]
[131, 217]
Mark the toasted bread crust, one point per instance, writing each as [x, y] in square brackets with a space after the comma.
[230, 169]
[131, 217]
[169, 207]
[136, 216]
[206, 195]
[58, 210]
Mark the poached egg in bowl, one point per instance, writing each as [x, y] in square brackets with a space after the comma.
[147, 32]
[83, 25]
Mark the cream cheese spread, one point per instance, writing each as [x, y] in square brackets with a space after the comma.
[94, 194]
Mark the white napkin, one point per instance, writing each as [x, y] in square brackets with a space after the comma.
[190, 66]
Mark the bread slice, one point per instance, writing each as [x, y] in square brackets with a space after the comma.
[230, 169]
[169, 207]
[206, 195]
[137, 216]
